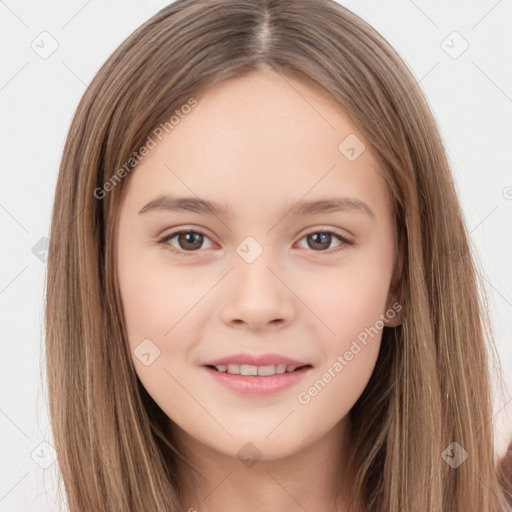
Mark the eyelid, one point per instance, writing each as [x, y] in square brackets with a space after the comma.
[345, 239]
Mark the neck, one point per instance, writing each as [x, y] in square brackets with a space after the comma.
[312, 478]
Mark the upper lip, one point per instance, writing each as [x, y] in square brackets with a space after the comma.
[255, 360]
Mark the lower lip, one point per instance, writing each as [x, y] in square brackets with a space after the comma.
[256, 385]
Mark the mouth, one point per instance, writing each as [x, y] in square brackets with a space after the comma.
[256, 381]
[248, 370]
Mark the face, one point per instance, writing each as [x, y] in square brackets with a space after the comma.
[270, 279]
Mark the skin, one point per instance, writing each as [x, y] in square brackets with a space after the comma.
[257, 143]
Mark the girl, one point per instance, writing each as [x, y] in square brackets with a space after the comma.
[207, 348]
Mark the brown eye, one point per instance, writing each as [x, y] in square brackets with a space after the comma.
[319, 241]
[187, 241]
[190, 240]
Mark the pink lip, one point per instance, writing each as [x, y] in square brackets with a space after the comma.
[258, 385]
[256, 360]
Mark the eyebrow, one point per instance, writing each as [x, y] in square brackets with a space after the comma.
[301, 207]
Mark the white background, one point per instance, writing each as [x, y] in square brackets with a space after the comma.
[471, 97]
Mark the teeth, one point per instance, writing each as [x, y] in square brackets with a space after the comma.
[280, 368]
[249, 369]
[266, 370]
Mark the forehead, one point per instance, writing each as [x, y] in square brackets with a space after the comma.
[258, 139]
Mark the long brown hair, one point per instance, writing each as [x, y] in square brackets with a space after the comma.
[430, 387]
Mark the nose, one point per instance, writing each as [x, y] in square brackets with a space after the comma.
[257, 297]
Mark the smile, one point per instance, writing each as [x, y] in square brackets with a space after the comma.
[247, 379]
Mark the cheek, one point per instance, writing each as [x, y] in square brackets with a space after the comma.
[157, 299]
[351, 311]
[155, 304]
[162, 304]
[348, 301]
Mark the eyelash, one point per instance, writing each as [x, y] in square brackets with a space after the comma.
[345, 242]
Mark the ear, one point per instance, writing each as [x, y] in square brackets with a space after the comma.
[394, 306]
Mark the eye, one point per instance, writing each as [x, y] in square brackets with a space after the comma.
[320, 240]
[190, 241]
